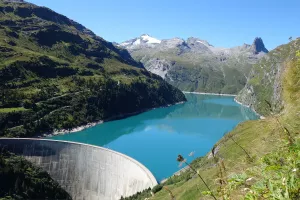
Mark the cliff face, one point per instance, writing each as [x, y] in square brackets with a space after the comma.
[270, 147]
[264, 84]
[258, 46]
[195, 64]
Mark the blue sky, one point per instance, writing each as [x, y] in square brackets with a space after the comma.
[223, 23]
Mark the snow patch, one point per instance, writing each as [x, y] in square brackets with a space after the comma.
[125, 43]
[200, 42]
[150, 40]
[137, 42]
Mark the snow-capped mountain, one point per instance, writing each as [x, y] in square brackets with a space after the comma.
[144, 40]
[196, 65]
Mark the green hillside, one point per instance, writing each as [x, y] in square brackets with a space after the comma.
[265, 85]
[56, 74]
[194, 65]
[258, 159]
[204, 73]
[22, 180]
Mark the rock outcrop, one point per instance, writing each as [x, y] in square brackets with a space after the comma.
[195, 64]
[258, 46]
[264, 86]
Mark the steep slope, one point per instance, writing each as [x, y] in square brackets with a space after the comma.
[196, 65]
[21, 180]
[258, 159]
[264, 85]
[56, 74]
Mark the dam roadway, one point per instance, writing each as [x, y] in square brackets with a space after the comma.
[84, 171]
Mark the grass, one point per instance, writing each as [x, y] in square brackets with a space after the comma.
[8, 110]
[252, 135]
[274, 164]
[265, 79]
[200, 72]
[39, 63]
[20, 179]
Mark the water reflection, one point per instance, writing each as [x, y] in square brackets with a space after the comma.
[157, 136]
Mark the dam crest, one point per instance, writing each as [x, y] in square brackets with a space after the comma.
[84, 171]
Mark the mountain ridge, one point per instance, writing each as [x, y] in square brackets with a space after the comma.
[257, 44]
[258, 159]
[264, 85]
[197, 66]
[57, 74]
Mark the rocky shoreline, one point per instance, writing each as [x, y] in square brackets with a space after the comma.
[231, 95]
[217, 94]
[91, 124]
[122, 116]
[260, 116]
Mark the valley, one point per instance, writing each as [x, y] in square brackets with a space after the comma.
[230, 115]
[195, 65]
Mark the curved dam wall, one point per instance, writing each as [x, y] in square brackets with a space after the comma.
[85, 171]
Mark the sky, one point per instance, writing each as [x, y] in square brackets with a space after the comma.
[223, 23]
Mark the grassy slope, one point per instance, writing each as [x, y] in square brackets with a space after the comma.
[202, 73]
[264, 80]
[21, 180]
[55, 74]
[273, 159]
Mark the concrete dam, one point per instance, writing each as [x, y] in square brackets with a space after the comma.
[87, 172]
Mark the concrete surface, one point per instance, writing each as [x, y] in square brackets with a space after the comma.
[87, 172]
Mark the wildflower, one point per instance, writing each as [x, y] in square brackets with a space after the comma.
[246, 190]
[180, 158]
[283, 181]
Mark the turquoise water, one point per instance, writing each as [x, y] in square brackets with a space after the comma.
[156, 137]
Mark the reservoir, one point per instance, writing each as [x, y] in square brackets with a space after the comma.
[156, 137]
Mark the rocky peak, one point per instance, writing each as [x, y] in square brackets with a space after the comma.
[148, 39]
[145, 40]
[198, 41]
[198, 45]
[174, 42]
[258, 46]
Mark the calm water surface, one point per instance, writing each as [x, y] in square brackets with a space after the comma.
[156, 137]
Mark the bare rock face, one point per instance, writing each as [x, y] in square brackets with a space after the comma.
[158, 66]
[258, 46]
[200, 46]
[264, 86]
[197, 65]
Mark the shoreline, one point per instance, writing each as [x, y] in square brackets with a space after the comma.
[216, 94]
[260, 116]
[92, 124]
[177, 173]
[123, 116]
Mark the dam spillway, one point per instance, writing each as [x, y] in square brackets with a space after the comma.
[84, 171]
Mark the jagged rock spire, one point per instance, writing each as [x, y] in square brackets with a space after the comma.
[259, 46]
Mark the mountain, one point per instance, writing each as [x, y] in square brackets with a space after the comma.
[258, 159]
[57, 74]
[195, 64]
[264, 85]
[258, 46]
[144, 41]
